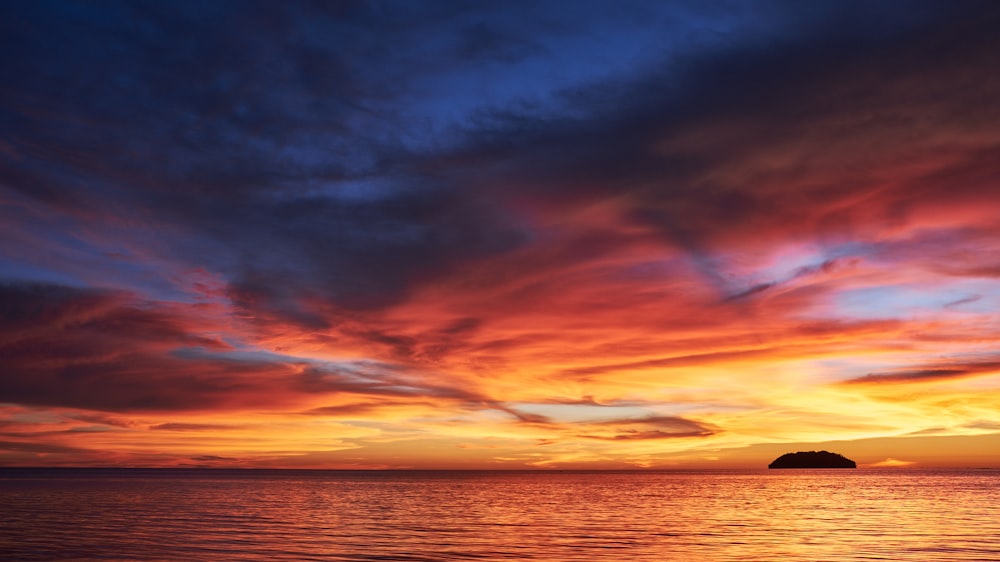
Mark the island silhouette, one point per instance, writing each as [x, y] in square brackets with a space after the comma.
[812, 459]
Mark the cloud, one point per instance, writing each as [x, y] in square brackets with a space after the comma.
[964, 300]
[986, 425]
[891, 463]
[297, 199]
[42, 448]
[730, 167]
[103, 350]
[208, 458]
[191, 427]
[347, 410]
[650, 427]
[283, 203]
[455, 219]
[295, 194]
[942, 372]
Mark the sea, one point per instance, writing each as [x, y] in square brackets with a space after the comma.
[249, 515]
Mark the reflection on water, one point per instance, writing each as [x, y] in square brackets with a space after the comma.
[307, 515]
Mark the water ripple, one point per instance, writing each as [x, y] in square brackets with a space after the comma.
[489, 516]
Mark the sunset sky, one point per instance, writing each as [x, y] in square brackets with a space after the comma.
[443, 234]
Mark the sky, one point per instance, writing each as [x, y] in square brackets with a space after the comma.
[499, 235]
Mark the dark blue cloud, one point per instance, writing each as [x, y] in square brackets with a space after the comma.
[106, 351]
[349, 152]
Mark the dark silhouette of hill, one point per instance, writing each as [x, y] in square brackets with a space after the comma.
[812, 459]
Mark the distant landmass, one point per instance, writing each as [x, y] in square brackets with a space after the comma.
[812, 459]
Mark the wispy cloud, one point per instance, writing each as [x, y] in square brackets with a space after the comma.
[943, 371]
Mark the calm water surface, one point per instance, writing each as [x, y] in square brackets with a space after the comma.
[408, 516]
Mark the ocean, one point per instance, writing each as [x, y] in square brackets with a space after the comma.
[790, 515]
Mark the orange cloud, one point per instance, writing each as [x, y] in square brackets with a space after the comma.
[892, 463]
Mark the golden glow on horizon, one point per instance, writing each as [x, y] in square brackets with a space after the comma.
[659, 381]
